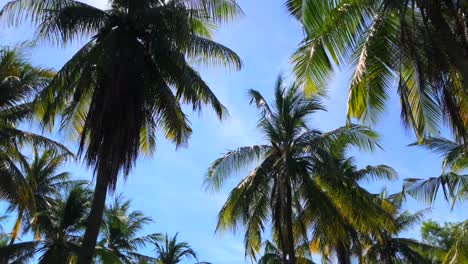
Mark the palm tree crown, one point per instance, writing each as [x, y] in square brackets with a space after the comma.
[30, 188]
[60, 226]
[271, 189]
[169, 251]
[120, 241]
[129, 79]
[384, 246]
[273, 255]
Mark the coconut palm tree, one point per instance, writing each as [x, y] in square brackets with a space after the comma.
[388, 248]
[416, 48]
[272, 254]
[60, 226]
[339, 196]
[169, 251]
[120, 239]
[19, 82]
[282, 168]
[129, 79]
[458, 253]
[29, 187]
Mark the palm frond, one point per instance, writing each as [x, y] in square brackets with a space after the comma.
[233, 161]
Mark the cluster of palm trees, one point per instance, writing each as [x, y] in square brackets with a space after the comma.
[304, 186]
[134, 73]
[46, 205]
[58, 231]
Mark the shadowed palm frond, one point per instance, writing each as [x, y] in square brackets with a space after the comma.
[452, 185]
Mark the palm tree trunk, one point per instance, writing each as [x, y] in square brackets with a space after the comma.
[94, 220]
[290, 246]
[342, 254]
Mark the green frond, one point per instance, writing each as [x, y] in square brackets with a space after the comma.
[427, 190]
[455, 156]
[211, 53]
[220, 11]
[355, 135]
[232, 162]
[379, 172]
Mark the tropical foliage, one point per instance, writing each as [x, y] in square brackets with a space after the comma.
[273, 255]
[170, 251]
[19, 82]
[120, 242]
[302, 195]
[128, 80]
[453, 182]
[30, 188]
[384, 246]
[433, 233]
[299, 173]
[339, 196]
[419, 45]
[59, 227]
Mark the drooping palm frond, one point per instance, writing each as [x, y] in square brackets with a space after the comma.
[19, 81]
[130, 78]
[59, 225]
[292, 185]
[18, 253]
[29, 187]
[120, 235]
[453, 186]
[231, 162]
[386, 247]
[455, 155]
[379, 172]
[390, 45]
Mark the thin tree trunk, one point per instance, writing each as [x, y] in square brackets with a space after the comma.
[94, 220]
[342, 254]
[290, 246]
[455, 52]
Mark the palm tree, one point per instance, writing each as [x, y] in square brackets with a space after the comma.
[120, 242]
[283, 167]
[338, 196]
[387, 248]
[458, 253]
[60, 226]
[24, 186]
[169, 251]
[29, 187]
[417, 45]
[129, 79]
[19, 82]
[272, 254]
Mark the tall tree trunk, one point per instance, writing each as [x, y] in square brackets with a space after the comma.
[455, 52]
[342, 254]
[289, 226]
[94, 220]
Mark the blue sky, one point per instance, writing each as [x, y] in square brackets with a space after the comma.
[168, 186]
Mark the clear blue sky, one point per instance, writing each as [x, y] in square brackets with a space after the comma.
[168, 186]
